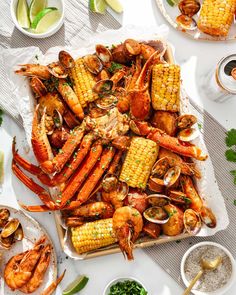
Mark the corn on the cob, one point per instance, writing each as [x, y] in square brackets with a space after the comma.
[166, 87]
[138, 163]
[93, 235]
[216, 16]
[83, 82]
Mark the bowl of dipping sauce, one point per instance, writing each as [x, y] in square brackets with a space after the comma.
[49, 19]
[123, 285]
[215, 282]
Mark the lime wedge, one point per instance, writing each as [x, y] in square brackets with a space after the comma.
[35, 7]
[77, 285]
[115, 5]
[172, 2]
[98, 6]
[22, 14]
[1, 166]
[45, 19]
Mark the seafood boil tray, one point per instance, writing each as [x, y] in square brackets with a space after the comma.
[120, 156]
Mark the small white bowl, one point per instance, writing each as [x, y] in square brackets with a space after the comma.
[121, 279]
[227, 286]
[54, 28]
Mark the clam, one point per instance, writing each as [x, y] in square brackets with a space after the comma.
[103, 53]
[107, 102]
[93, 63]
[186, 22]
[188, 134]
[10, 228]
[6, 242]
[171, 176]
[189, 7]
[19, 234]
[66, 59]
[103, 87]
[156, 215]
[57, 70]
[155, 184]
[109, 182]
[160, 168]
[122, 191]
[38, 87]
[158, 200]
[179, 197]
[186, 121]
[208, 217]
[192, 221]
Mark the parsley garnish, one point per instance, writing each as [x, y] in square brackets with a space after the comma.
[127, 288]
[233, 172]
[114, 66]
[230, 139]
[230, 155]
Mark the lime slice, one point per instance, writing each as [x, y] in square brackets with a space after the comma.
[35, 7]
[22, 14]
[77, 285]
[1, 166]
[98, 6]
[45, 19]
[115, 5]
[172, 2]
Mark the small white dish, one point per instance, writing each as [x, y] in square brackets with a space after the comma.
[51, 3]
[121, 279]
[227, 286]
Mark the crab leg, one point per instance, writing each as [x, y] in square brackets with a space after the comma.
[59, 161]
[166, 141]
[33, 186]
[115, 162]
[93, 178]
[51, 288]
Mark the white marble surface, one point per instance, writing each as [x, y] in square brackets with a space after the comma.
[196, 59]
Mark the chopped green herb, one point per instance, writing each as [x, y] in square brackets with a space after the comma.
[114, 66]
[127, 288]
[230, 139]
[230, 155]
[233, 172]
[199, 126]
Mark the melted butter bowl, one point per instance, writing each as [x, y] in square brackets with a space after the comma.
[231, 279]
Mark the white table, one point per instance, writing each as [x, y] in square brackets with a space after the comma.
[196, 59]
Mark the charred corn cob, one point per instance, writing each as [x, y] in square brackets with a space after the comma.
[83, 82]
[138, 163]
[216, 16]
[166, 87]
[93, 235]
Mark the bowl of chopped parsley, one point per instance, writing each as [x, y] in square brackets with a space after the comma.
[127, 286]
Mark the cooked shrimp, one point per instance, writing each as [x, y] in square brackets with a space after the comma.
[34, 70]
[127, 224]
[19, 268]
[39, 272]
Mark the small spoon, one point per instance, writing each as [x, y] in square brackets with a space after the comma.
[206, 265]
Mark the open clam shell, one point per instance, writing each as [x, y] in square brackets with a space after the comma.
[188, 134]
[4, 216]
[179, 197]
[186, 121]
[10, 228]
[109, 182]
[6, 242]
[155, 184]
[186, 22]
[103, 87]
[208, 217]
[19, 234]
[57, 70]
[156, 215]
[171, 176]
[192, 221]
[107, 102]
[158, 200]
[93, 63]
[122, 191]
[103, 53]
[66, 59]
[189, 7]
[160, 168]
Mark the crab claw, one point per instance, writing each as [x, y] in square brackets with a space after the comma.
[140, 127]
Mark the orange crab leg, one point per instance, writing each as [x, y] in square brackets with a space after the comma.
[81, 174]
[93, 178]
[115, 162]
[166, 141]
[59, 161]
[33, 186]
[51, 288]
